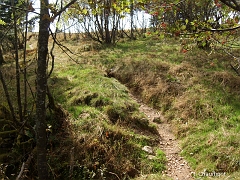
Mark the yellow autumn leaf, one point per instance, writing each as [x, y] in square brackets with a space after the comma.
[2, 22]
[84, 11]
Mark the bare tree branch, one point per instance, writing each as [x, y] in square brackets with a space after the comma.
[232, 4]
[8, 97]
[63, 9]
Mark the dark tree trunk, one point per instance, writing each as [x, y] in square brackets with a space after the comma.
[1, 57]
[64, 33]
[131, 14]
[106, 19]
[18, 84]
[25, 68]
[7, 96]
[41, 91]
[41, 80]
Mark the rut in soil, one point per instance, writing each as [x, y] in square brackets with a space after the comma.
[177, 167]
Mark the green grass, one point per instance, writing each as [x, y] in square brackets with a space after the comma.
[107, 122]
[197, 92]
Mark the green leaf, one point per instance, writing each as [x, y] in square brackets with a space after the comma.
[186, 21]
[161, 36]
[2, 22]
[183, 27]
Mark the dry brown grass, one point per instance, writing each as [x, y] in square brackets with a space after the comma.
[228, 80]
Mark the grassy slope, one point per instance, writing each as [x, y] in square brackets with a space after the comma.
[197, 92]
[108, 129]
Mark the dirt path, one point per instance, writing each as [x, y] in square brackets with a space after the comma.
[177, 167]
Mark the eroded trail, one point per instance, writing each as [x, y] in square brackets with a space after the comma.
[177, 167]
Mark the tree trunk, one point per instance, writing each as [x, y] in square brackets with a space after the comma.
[64, 32]
[106, 21]
[131, 14]
[41, 80]
[41, 91]
[25, 68]
[7, 96]
[1, 57]
[18, 84]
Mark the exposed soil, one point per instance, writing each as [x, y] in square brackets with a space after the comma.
[177, 167]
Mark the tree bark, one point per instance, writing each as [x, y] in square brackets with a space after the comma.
[106, 21]
[25, 68]
[18, 84]
[41, 91]
[7, 96]
[131, 15]
[41, 80]
[1, 57]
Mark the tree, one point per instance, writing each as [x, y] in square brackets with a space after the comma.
[41, 91]
[186, 14]
[41, 80]
[96, 19]
[201, 20]
[100, 19]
